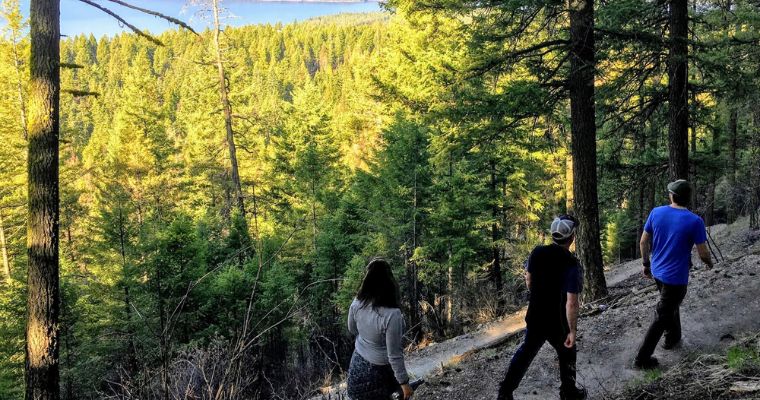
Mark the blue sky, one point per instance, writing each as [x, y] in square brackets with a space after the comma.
[80, 18]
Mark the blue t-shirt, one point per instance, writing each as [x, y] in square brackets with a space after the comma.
[674, 233]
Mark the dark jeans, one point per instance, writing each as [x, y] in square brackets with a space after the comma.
[534, 340]
[667, 319]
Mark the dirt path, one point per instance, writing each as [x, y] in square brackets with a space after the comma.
[720, 306]
[432, 358]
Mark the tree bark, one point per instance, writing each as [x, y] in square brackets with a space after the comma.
[569, 200]
[755, 178]
[733, 128]
[583, 146]
[693, 142]
[227, 110]
[414, 298]
[713, 177]
[19, 84]
[496, 252]
[678, 94]
[131, 362]
[4, 249]
[693, 165]
[163, 336]
[642, 178]
[43, 302]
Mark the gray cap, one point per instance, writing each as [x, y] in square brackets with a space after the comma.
[681, 187]
[563, 227]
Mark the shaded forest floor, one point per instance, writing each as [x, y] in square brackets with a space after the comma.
[722, 305]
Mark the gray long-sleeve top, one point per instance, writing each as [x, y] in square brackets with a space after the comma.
[378, 334]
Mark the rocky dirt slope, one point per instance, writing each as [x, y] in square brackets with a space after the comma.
[722, 305]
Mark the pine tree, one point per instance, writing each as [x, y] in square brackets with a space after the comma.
[583, 144]
[43, 306]
[678, 94]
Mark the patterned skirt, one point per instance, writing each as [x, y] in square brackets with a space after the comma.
[368, 381]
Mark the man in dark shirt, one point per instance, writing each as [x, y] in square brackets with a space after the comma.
[555, 280]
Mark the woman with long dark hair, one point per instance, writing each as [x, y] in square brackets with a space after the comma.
[377, 367]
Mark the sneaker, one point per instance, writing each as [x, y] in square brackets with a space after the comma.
[650, 363]
[572, 394]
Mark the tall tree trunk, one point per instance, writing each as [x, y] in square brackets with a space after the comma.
[4, 249]
[495, 251]
[131, 363]
[414, 298]
[713, 177]
[653, 143]
[66, 334]
[583, 145]
[693, 142]
[163, 341]
[733, 134]
[569, 200]
[642, 179]
[43, 303]
[678, 94]
[227, 109]
[450, 290]
[754, 189]
[692, 163]
[314, 229]
[19, 83]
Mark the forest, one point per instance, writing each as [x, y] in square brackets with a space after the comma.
[211, 236]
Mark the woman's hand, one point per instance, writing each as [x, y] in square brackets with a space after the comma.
[408, 391]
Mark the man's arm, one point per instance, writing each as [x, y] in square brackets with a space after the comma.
[646, 249]
[572, 307]
[704, 255]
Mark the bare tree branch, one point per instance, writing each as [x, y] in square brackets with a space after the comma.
[80, 93]
[123, 21]
[157, 14]
[71, 65]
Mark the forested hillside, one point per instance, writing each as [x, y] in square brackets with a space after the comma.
[437, 135]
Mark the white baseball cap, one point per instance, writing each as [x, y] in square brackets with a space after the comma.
[563, 227]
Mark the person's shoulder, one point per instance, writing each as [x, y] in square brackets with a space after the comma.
[696, 218]
[697, 221]
[356, 303]
[661, 209]
[541, 248]
[556, 250]
[391, 313]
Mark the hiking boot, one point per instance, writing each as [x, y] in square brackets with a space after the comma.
[650, 363]
[670, 346]
[572, 394]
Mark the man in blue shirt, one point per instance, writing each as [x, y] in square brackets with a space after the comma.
[555, 280]
[673, 231]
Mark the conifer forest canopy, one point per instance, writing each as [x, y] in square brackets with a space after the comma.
[194, 211]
